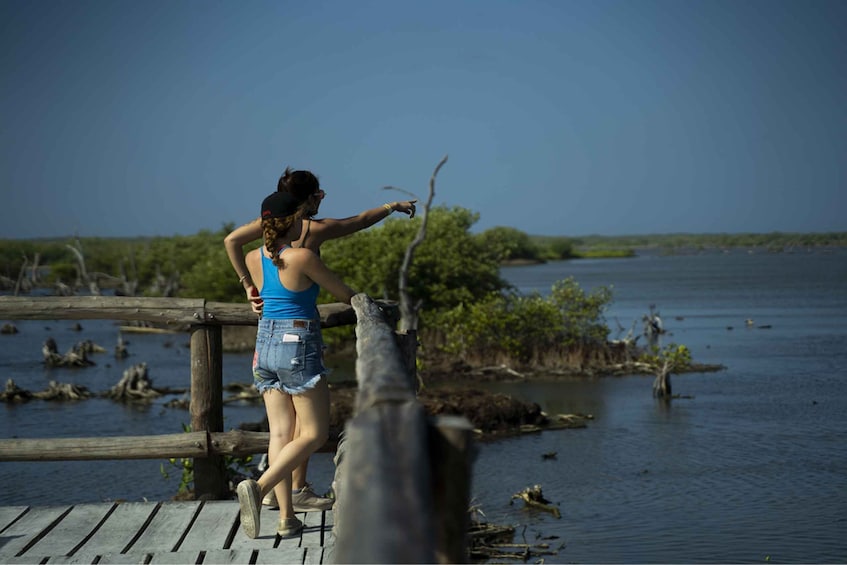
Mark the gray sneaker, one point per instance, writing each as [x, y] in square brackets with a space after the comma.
[289, 527]
[270, 501]
[248, 501]
[307, 501]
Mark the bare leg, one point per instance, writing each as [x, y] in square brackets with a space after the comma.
[312, 410]
[281, 424]
[298, 475]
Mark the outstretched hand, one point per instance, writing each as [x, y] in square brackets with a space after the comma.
[407, 207]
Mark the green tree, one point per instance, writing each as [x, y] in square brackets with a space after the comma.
[526, 328]
[508, 243]
[451, 266]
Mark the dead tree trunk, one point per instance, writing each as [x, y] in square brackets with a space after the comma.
[84, 279]
[408, 309]
[662, 382]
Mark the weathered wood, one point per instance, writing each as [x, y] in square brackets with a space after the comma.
[176, 312]
[385, 445]
[161, 310]
[81, 522]
[171, 532]
[385, 512]
[237, 443]
[380, 371]
[26, 531]
[213, 527]
[167, 527]
[407, 342]
[206, 408]
[451, 454]
[87, 449]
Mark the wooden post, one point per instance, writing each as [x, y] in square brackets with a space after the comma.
[207, 413]
[452, 452]
[384, 509]
[407, 341]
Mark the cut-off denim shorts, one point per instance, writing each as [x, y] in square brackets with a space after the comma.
[289, 356]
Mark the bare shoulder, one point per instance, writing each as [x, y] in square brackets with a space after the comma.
[300, 255]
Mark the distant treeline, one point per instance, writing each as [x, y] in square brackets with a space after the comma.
[196, 265]
[774, 241]
[469, 310]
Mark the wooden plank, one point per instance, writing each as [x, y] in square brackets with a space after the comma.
[312, 531]
[329, 554]
[167, 528]
[281, 555]
[227, 556]
[27, 529]
[72, 531]
[84, 559]
[120, 529]
[268, 520]
[314, 555]
[214, 527]
[9, 514]
[124, 558]
[175, 557]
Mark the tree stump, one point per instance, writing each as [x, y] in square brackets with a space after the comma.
[13, 393]
[134, 385]
[63, 391]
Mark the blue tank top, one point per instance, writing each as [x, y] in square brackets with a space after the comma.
[284, 304]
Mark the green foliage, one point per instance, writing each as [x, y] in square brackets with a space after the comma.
[508, 244]
[672, 358]
[450, 267]
[523, 325]
[553, 248]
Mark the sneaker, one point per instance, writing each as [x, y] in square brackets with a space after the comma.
[270, 501]
[289, 527]
[307, 501]
[248, 501]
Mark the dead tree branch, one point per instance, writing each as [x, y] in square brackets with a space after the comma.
[409, 311]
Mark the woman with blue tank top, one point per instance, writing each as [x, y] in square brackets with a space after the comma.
[288, 368]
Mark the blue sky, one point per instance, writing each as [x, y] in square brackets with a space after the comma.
[127, 118]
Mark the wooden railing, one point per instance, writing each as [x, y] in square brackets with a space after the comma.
[402, 480]
[207, 443]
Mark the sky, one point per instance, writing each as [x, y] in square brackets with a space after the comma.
[125, 118]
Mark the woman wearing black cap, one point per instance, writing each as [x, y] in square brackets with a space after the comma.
[304, 186]
[287, 366]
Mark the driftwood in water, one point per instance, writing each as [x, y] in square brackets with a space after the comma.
[77, 356]
[63, 391]
[13, 393]
[134, 385]
[120, 348]
[534, 498]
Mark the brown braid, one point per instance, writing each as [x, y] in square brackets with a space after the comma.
[274, 228]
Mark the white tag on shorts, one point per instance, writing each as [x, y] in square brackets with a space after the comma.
[290, 338]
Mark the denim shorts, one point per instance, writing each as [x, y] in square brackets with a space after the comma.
[289, 355]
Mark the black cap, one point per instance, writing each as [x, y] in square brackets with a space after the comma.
[279, 205]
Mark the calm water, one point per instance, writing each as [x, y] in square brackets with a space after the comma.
[751, 468]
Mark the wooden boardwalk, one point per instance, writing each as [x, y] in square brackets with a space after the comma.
[151, 532]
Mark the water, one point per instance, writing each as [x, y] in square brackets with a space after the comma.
[750, 467]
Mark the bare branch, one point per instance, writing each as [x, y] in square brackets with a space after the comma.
[408, 311]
